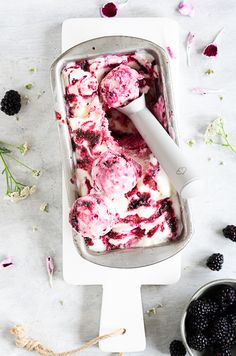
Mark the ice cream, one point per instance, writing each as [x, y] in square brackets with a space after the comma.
[125, 198]
[115, 174]
[92, 216]
[120, 86]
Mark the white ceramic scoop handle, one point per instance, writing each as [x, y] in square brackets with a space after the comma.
[122, 309]
[178, 168]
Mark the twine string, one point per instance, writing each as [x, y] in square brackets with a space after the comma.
[32, 345]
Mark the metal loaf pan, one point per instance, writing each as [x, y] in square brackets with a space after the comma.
[132, 257]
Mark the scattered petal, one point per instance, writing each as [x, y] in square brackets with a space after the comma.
[33, 69]
[189, 42]
[26, 99]
[211, 50]
[23, 148]
[204, 91]
[190, 142]
[36, 173]
[171, 53]
[7, 262]
[44, 207]
[109, 10]
[209, 72]
[28, 86]
[186, 9]
[50, 269]
[153, 311]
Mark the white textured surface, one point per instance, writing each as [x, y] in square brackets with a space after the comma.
[30, 36]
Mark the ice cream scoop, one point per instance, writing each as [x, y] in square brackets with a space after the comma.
[92, 216]
[120, 89]
[114, 173]
[120, 86]
[178, 168]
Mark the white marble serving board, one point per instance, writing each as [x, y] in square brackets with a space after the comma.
[116, 282]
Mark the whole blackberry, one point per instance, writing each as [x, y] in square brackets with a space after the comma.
[197, 342]
[196, 324]
[177, 348]
[226, 296]
[223, 351]
[214, 307]
[215, 261]
[199, 308]
[11, 102]
[222, 332]
[230, 232]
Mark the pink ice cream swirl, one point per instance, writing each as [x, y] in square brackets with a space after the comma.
[115, 174]
[92, 216]
[120, 86]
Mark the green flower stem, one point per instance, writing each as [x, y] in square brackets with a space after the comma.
[228, 144]
[7, 144]
[21, 163]
[10, 179]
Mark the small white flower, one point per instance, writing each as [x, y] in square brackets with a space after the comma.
[215, 128]
[36, 173]
[23, 148]
[44, 207]
[190, 142]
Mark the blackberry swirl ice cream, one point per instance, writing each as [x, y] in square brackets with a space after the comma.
[125, 198]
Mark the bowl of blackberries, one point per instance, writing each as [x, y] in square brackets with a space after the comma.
[208, 325]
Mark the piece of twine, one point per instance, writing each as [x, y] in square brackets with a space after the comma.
[35, 346]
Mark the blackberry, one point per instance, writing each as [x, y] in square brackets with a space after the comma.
[222, 332]
[232, 320]
[197, 342]
[223, 351]
[230, 232]
[11, 102]
[226, 296]
[215, 261]
[196, 324]
[177, 348]
[214, 307]
[199, 308]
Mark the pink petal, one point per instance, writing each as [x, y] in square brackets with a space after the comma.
[171, 53]
[190, 39]
[211, 50]
[186, 9]
[7, 262]
[109, 10]
[50, 268]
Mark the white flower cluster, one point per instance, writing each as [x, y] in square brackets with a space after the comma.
[22, 194]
